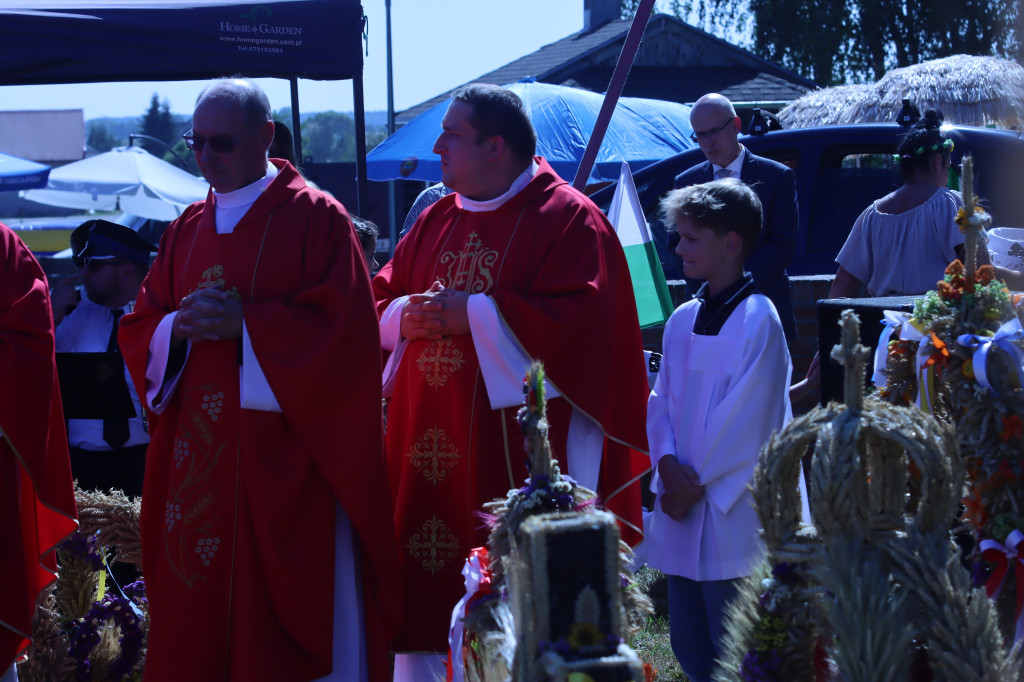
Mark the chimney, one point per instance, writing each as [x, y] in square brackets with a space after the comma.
[599, 12]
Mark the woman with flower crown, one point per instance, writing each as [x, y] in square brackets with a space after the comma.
[901, 243]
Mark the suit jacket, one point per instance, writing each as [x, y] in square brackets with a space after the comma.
[775, 186]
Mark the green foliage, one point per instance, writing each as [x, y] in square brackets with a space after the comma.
[329, 137]
[99, 137]
[838, 41]
[157, 122]
[652, 645]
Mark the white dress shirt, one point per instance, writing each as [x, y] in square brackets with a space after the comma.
[86, 329]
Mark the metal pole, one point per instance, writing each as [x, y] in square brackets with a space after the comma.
[296, 120]
[360, 116]
[611, 98]
[184, 164]
[392, 193]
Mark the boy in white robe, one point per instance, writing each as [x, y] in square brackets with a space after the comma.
[720, 393]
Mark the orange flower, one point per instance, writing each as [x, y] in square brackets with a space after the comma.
[955, 268]
[975, 512]
[1013, 427]
[940, 357]
[985, 274]
[947, 291]
[899, 347]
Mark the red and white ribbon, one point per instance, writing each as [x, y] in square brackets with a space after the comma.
[1003, 556]
[893, 321]
[477, 576]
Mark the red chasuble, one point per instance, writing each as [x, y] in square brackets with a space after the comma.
[238, 505]
[553, 266]
[37, 497]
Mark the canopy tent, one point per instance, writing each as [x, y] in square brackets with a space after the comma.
[83, 41]
[18, 173]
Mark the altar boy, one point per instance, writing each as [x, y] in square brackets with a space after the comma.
[721, 392]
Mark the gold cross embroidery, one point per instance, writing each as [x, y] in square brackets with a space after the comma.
[433, 546]
[435, 455]
[438, 361]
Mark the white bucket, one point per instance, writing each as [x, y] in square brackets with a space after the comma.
[1006, 247]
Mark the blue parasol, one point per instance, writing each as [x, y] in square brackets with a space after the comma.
[16, 173]
[641, 131]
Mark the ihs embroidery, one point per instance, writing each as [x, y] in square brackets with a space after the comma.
[470, 269]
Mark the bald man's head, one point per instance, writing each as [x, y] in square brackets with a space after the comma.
[717, 128]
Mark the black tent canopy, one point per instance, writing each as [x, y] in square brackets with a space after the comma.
[51, 42]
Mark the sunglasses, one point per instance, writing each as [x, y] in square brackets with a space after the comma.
[222, 144]
[704, 134]
[94, 264]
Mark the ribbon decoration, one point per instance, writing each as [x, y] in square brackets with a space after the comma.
[1002, 556]
[477, 576]
[893, 321]
[928, 363]
[1003, 338]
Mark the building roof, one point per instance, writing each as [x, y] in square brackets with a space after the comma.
[677, 62]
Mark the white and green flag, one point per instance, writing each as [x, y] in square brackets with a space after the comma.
[653, 302]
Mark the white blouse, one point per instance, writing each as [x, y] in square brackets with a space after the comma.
[905, 253]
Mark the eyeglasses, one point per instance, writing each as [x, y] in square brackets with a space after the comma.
[697, 136]
[94, 264]
[222, 144]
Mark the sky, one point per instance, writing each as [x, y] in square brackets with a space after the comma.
[438, 45]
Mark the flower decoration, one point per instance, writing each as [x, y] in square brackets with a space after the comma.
[1013, 427]
[761, 666]
[977, 218]
[82, 546]
[969, 326]
[111, 611]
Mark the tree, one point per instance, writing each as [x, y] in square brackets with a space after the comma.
[157, 122]
[99, 137]
[841, 41]
[328, 136]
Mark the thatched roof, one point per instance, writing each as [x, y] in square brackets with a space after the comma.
[827, 106]
[968, 90]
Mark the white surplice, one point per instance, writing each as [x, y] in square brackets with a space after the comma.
[716, 401]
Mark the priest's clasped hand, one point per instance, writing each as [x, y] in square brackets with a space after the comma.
[436, 313]
[682, 487]
[207, 315]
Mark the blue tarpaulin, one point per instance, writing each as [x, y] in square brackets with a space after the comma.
[641, 131]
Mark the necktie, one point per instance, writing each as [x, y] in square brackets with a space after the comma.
[723, 173]
[115, 431]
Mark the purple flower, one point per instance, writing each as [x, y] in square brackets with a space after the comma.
[979, 573]
[785, 572]
[85, 636]
[84, 547]
[760, 666]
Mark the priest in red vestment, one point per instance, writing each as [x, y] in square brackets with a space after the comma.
[254, 339]
[514, 265]
[37, 497]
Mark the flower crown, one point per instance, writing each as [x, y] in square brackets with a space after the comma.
[945, 145]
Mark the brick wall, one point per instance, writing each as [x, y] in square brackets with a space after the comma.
[807, 290]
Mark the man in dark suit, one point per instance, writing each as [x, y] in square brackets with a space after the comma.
[716, 129]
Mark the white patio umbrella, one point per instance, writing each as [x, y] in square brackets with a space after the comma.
[126, 178]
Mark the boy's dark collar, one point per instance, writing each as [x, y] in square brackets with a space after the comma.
[744, 280]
